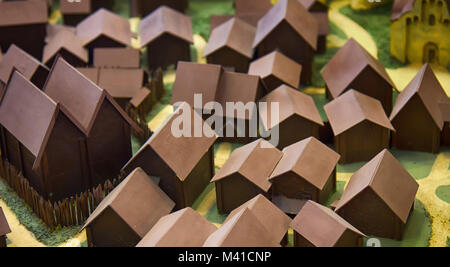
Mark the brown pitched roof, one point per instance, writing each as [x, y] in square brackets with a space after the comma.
[180, 154]
[16, 58]
[117, 57]
[427, 87]
[53, 29]
[75, 8]
[90, 73]
[347, 64]
[388, 179]
[140, 96]
[187, 82]
[278, 65]
[244, 7]
[165, 20]
[4, 226]
[401, 7]
[320, 225]
[138, 201]
[184, 228]
[302, 157]
[254, 161]
[235, 34]
[352, 108]
[293, 12]
[28, 114]
[78, 95]
[104, 23]
[217, 20]
[291, 102]
[273, 219]
[242, 230]
[65, 40]
[319, 11]
[121, 83]
[14, 13]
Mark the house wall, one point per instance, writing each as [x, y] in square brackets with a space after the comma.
[69, 57]
[293, 186]
[167, 50]
[415, 128]
[30, 38]
[300, 241]
[3, 241]
[328, 189]
[350, 239]
[229, 58]
[101, 41]
[445, 135]
[295, 129]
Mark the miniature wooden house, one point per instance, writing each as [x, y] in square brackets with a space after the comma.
[352, 67]
[242, 230]
[300, 175]
[276, 69]
[217, 20]
[445, 112]
[67, 45]
[184, 228]
[245, 175]
[230, 45]
[184, 164]
[127, 58]
[272, 218]
[124, 216]
[360, 126]
[252, 11]
[417, 116]
[4, 229]
[141, 8]
[318, 226]
[290, 29]
[320, 11]
[32, 69]
[23, 23]
[106, 126]
[75, 11]
[298, 117]
[104, 29]
[379, 197]
[167, 34]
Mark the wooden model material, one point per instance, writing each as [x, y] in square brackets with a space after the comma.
[379, 197]
[277, 69]
[53, 29]
[245, 175]
[216, 20]
[252, 11]
[75, 11]
[445, 111]
[289, 28]
[124, 216]
[352, 67]
[106, 126]
[167, 34]
[230, 45]
[360, 126]
[243, 229]
[117, 58]
[104, 29]
[320, 11]
[417, 115]
[272, 218]
[4, 229]
[306, 171]
[184, 228]
[185, 165]
[141, 8]
[318, 226]
[31, 68]
[67, 45]
[298, 119]
[23, 23]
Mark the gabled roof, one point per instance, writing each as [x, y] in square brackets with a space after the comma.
[345, 66]
[75, 7]
[165, 20]
[427, 87]
[53, 29]
[16, 58]
[388, 179]
[244, 7]
[242, 230]
[401, 7]
[68, 41]
[254, 161]
[291, 102]
[138, 201]
[81, 97]
[235, 34]
[140, 96]
[4, 226]
[28, 114]
[310, 4]
[92, 74]
[121, 83]
[13, 13]
[320, 225]
[278, 65]
[184, 228]
[310, 159]
[217, 20]
[117, 57]
[352, 108]
[293, 12]
[194, 78]
[104, 23]
[272, 218]
[183, 153]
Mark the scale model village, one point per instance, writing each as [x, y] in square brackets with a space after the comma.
[91, 92]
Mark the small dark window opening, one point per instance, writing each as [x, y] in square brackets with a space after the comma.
[431, 20]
